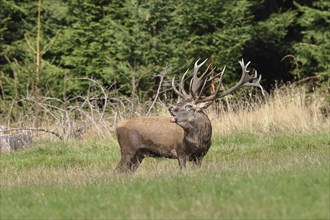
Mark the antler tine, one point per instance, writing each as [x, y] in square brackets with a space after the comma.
[201, 90]
[244, 81]
[175, 89]
[197, 66]
[247, 78]
[217, 75]
[214, 95]
[196, 82]
[181, 86]
[204, 76]
[256, 83]
[207, 72]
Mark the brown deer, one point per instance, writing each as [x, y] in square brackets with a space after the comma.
[186, 135]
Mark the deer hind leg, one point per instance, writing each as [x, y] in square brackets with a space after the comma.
[128, 147]
[124, 164]
[136, 161]
[129, 162]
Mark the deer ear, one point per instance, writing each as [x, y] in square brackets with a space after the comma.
[203, 105]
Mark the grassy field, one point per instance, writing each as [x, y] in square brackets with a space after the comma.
[244, 175]
[269, 159]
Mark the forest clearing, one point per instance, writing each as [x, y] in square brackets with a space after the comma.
[72, 71]
[274, 164]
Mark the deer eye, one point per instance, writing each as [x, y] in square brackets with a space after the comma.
[188, 107]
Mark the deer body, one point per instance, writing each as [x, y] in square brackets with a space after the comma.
[186, 135]
[159, 137]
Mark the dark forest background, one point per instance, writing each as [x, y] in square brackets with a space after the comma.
[119, 42]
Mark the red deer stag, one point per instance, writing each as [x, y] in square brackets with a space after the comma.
[186, 135]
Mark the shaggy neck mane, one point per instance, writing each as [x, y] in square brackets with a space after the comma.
[199, 132]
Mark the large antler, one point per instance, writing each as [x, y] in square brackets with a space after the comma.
[246, 80]
[197, 84]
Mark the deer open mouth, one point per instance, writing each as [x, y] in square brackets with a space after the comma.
[173, 118]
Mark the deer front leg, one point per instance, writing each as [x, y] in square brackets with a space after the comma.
[197, 161]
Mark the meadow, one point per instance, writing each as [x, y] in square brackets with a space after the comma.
[267, 160]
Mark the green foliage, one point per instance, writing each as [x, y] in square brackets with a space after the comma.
[214, 30]
[116, 41]
[18, 58]
[275, 28]
[314, 48]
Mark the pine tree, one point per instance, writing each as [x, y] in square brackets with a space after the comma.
[312, 51]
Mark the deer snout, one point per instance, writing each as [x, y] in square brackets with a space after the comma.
[173, 109]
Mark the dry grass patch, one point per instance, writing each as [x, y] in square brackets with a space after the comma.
[288, 109]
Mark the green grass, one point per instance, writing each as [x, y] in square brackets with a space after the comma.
[243, 176]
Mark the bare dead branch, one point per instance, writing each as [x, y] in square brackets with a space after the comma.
[50, 43]
[35, 129]
[26, 37]
[161, 76]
